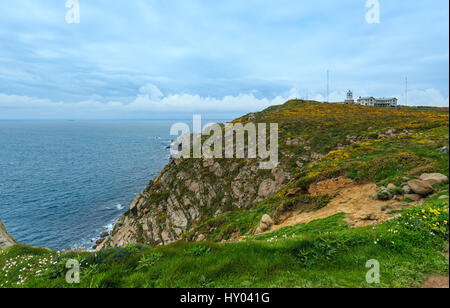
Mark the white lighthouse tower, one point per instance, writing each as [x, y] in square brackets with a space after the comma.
[349, 99]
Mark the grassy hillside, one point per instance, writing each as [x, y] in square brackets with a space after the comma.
[408, 248]
[317, 142]
[354, 144]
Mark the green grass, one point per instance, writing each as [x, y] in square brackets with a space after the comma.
[407, 248]
[321, 226]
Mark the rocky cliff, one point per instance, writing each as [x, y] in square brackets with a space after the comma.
[6, 240]
[189, 192]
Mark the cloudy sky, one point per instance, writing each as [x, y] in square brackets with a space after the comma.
[165, 59]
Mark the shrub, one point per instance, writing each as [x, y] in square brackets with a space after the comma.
[149, 260]
[197, 251]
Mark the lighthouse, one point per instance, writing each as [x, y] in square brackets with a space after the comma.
[349, 99]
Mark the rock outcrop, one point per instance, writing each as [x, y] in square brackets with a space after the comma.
[190, 198]
[187, 192]
[6, 240]
[414, 190]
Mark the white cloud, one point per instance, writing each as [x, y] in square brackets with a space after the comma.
[428, 97]
[150, 101]
[151, 91]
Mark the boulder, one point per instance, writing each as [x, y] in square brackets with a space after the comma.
[422, 188]
[384, 195]
[372, 217]
[265, 224]
[267, 188]
[391, 187]
[444, 150]
[434, 179]
[104, 234]
[201, 238]
[413, 197]
[266, 219]
[406, 190]
[443, 197]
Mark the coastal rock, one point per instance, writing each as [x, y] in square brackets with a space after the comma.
[6, 240]
[216, 169]
[137, 203]
[422, 188]
[267, 188]
[201, 238]
[194, 186]
[279, 176]
[183, 194]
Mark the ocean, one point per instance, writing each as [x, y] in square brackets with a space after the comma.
[62, 183]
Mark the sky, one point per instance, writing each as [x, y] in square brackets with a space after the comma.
[223, 58]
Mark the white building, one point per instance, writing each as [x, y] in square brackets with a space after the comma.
[378, 102]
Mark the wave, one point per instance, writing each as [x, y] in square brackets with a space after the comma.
[108, 227]
[119, 207]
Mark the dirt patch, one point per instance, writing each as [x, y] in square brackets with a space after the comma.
[436, 282]
[329, 187]
[351, 198]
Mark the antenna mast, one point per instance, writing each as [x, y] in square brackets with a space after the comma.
[406, 91]
[328, 86]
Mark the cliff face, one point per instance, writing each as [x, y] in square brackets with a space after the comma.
[6, 240]
[188, 191]
[196, 199]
